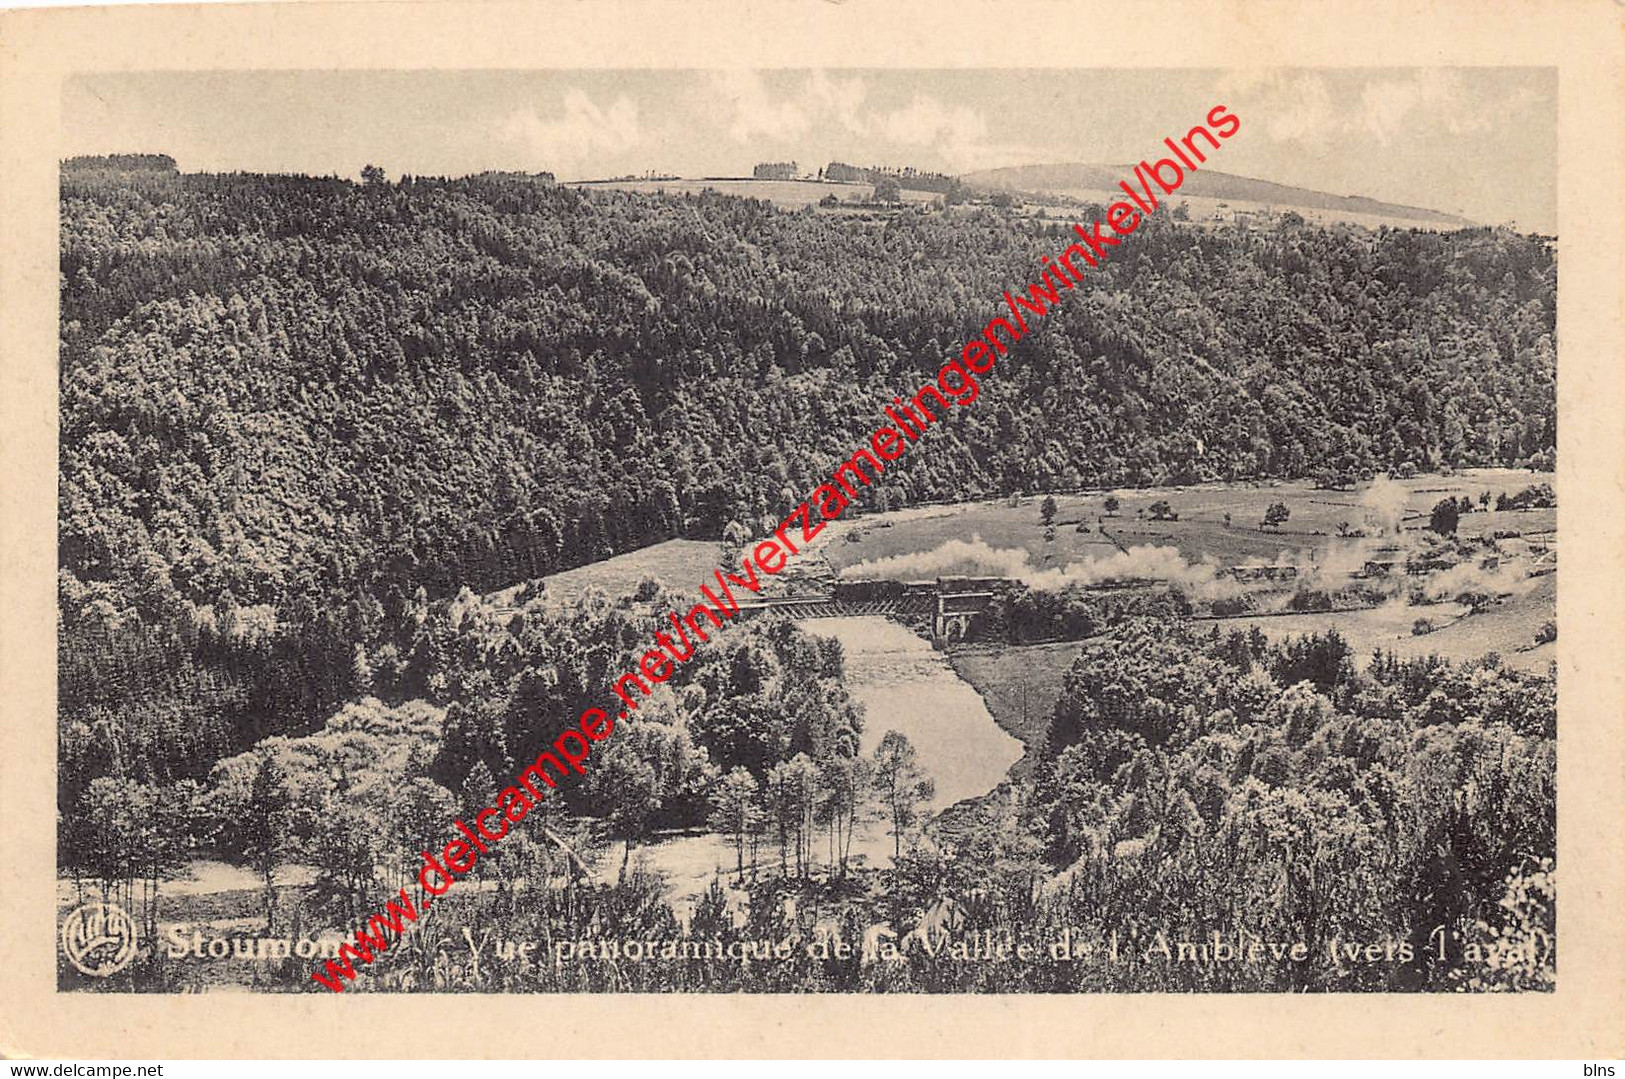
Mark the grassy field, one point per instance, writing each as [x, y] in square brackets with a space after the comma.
[679, 563]
[1507, 629]
[1020, 686]
[1200, 533]
[790, 194]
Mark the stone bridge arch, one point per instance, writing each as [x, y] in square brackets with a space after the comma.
[952, 626]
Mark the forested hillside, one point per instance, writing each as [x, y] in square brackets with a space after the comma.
[293, 410]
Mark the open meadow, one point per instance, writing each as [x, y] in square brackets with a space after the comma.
[1201, 533]
[1020, 685]
[786, 194]
[1508, 629]
[679, 563]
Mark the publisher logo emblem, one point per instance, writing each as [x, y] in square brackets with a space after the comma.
[99, 939]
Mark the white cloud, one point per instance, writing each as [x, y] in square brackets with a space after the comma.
[838, 99]
[755, 111]
[1438, 95]
[824, 111]
[1300, 109]
[960, 136]
[584, 129]
[926, 121]
[1314, 109]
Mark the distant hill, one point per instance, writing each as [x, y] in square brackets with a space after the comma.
[1206, 188]
[120, 163]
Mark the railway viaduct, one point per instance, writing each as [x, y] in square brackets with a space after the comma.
[952, 603]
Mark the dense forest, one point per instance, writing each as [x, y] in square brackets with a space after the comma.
[305, 421]
[294, 408]
[1191, 784]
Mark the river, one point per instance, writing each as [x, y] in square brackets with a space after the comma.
[904, 685]
[907, 686]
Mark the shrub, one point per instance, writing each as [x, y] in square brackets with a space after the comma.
[1421, 627]
[1446, 515]
[1310, 599]
[1536, 496]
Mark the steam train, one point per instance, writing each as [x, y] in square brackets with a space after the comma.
[873, 591]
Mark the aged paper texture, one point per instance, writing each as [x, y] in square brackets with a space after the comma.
[1125, 453]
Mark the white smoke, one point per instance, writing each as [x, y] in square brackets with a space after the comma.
[1333, 565]
[1339, 561]
[975, 558]
[1468, 577]
[1384, 503]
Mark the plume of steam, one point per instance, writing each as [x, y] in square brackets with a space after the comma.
[973, 557]
[1468, 577]
[1384, 503]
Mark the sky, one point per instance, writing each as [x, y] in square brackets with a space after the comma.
[1481, 142]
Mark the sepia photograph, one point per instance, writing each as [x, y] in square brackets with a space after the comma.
[1201, 639]
[912, 530]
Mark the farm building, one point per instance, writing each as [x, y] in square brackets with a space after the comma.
[1379, 567]
[1419, 566]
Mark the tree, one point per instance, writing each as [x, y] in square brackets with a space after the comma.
[1276, 515]
[846, 782]
[1046, 512]
[183, 820]
[479, 791]
[1162, 511]
[346, 845]
[1446, 515]
[1112, 504]
[902, 784]
[792, 797]
[888, 190]
[372, 175]
[634, 799]
[107, 832]
[266, 826]
[734, 812]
